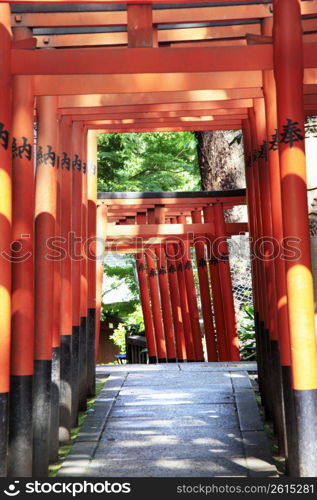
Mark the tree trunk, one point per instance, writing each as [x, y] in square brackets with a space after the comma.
[221, 164]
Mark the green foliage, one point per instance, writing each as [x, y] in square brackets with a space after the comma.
[119, 309]
[145, 162]
[123, 274]
[133, 324]
[246, 334]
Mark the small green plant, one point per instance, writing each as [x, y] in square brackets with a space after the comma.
[246, 332]
[133, 325]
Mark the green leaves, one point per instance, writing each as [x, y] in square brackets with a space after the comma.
[246, 335]
[156, 161]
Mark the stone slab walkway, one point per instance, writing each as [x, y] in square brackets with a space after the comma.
[173, 420]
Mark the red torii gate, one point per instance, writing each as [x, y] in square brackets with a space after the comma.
[205, 75]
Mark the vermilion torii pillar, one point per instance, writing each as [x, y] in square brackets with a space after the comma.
[145, 299]
[22, 323]
[288, 71]
[205, 293]
[216, 292]
[159, 218]
[191, 295]
[155, 306]
[267, 255]
[269, 89]
[65, 423]
[102, 222]
[146, 308]
[90, 247]
[189, 343]
[56, 333]
[175, 303]
[226, 285]
[76, 256]
[83, 280]
[5, 228]
[45, 218]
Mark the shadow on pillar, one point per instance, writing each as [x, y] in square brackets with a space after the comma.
[65, 401]
[20, 426]
[91, 353]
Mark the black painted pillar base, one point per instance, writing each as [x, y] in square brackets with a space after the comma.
[267, 374]
[20, 426]
[91, 353]
[54, 422]
[162, 360]
[4, 428]
[152, 360]
[41, 416]
[290, 418]
[306, 411]
[75, 374]
[65, 399]
[278, 400]
[82, 362]
[173, 360]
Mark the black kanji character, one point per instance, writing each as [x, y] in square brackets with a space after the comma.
[291, 133]
[180, 267]
[214, 260]
[76, 165]
[4, 136]
[65, 162]
[224, 257]
[152, 273]
[39, 156]
[49, 157]
[14, 148]
[25, 149]
[84, 165]
[274, 142]
[202, 262]
[162, 270]
[263, 151]
[254, 156]
[188, 265]
[248, 161]
[141, 267]
[172, 268]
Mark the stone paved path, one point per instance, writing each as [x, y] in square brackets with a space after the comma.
[179, 420]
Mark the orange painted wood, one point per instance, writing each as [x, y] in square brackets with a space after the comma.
[140, 25]
[191, 296]
[277, 221]
[75, 61]
[146, 82]
[92, 215]
[5, 201]
[288, 71]
[162, 117]
[22, 322]
[84, 229]
[192, 96]
[100, 252]
[66, 204]
[214, 107]
[76, 221]
[175, 303]
[45, 219]
[204, 287]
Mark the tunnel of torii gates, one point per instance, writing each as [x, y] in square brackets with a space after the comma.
[251, 67]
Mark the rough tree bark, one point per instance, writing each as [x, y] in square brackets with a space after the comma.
[221, 164]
